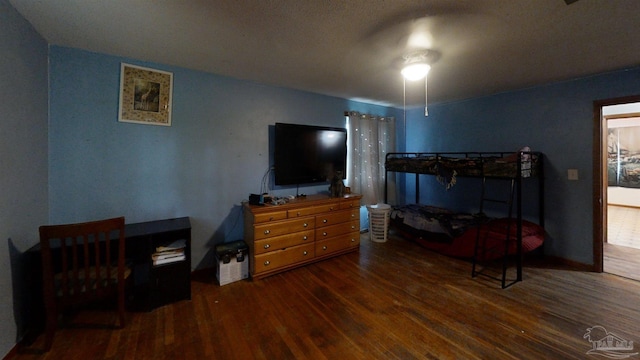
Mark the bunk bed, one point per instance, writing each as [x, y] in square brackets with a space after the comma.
[475, 236]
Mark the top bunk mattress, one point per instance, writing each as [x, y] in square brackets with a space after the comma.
[491, 164]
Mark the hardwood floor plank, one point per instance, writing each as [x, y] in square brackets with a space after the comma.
[388, 315]
[130, 337]
[622, 261]
[204, 326]
[336, 308]
[215, 313]
[302, 321]
[392, 300]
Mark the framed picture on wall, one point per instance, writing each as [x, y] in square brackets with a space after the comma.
[145, 95]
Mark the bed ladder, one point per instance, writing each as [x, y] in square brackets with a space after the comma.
[483, 251]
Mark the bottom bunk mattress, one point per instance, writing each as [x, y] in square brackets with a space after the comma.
[454, 234]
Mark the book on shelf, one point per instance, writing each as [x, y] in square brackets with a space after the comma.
[169, 252]
[168, 260]
[166, 254]
[176, 245]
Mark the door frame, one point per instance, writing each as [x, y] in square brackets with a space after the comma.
[599, 172]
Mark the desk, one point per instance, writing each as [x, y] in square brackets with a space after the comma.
[153, 286]
[163, 284]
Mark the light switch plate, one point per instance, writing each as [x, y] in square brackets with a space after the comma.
[572, 174]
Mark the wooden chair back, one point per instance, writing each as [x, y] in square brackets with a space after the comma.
[82, 262]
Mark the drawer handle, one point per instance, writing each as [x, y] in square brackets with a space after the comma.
[324, 247]
[266, 246]
[325, 221]
[298, 213]
[305, 225]
[331, 208]
[271, 218]
[353, 240]
[304, 237]
[324, 233]
[304, 253]
[353, 227]
[353, 215]
[267, 232]
[266, 263]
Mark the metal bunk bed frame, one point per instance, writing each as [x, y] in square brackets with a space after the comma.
[515, 189]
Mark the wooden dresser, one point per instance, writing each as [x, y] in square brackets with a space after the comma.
[302, 231]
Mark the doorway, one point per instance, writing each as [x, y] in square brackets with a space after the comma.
[612, 220]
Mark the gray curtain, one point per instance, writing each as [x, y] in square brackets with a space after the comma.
[370, 139]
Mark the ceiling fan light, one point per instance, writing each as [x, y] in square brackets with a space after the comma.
[415, 71]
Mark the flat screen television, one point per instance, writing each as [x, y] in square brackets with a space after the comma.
[306, 154]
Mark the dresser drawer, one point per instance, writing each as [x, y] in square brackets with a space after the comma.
[283, 241]
[337, 217]
[338, 243]
[312, 210]
[284, 237]
[280, 258]
[282, 227]
[270, 216]
[339, 229]
[350, 204]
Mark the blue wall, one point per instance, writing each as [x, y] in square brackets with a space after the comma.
[23, 160]
[211, 158]
[556, 119]
[84, 164]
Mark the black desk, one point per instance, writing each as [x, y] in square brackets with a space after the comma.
[163, 284]
[152, 286]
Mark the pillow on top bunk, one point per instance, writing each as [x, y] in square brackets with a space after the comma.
[514, 157]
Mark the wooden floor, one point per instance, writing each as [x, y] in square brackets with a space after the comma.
[622, 261]
[392, 300]
[621, 253]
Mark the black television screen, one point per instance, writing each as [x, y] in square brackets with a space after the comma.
[306, 154]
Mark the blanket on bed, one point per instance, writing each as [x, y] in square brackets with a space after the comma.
[440, 225]
[452, 234]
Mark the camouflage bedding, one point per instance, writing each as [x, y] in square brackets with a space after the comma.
[458, 164]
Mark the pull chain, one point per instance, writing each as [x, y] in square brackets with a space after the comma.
[426, 110]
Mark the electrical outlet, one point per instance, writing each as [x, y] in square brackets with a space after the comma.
[572, 174]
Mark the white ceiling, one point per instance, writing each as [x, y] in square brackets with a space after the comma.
[352, 48]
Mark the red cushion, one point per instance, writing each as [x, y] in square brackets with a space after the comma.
[494, 234]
